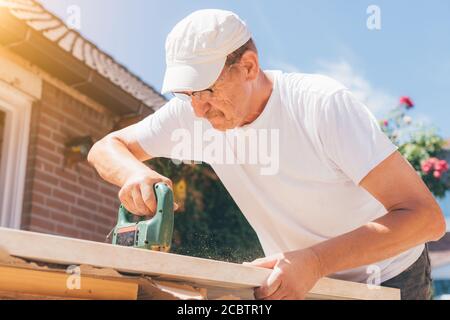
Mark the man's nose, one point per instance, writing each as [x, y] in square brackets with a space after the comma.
[201, 108]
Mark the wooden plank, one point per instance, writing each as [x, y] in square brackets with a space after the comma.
[166, 266]
[328, 288]
[9, 295]
[62, 250]
[50, 283]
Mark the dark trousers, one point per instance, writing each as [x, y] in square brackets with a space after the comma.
[415, 282]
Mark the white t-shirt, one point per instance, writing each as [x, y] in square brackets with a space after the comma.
[325, 142]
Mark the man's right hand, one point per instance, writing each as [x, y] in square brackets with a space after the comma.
[118, 158]
[137, 194]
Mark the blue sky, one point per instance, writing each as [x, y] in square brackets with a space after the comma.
[410, 55]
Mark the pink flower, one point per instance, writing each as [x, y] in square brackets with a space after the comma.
[443, 164]
[434, 164]
[386, 123]
[426, 168]
[406, 101]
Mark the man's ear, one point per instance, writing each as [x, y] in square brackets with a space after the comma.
[250, 62]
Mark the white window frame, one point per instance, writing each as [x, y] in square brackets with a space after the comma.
[13, 163]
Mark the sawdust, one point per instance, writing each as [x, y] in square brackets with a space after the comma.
[7, 259]
[95, 271]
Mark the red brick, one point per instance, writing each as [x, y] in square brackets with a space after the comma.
[62, 218]
[42, 188]
[77, 128]
[38, 198]
[46, 143]
[94, 196]
[42, 223]
[110, 193]
[87, 204]
[102, 220]
[49, 121]
[64, 196]
[103, 229]
[59, 138]
[87, 171]
[53, 114]
[109, 211]
[65, 230]
[43, 131]
[80, 212]
[73, 202]
[89, 183]
[57, 204]
[49, 155]
[38, 229]
[69, 186]
[66, 174]
[45, 177]
[37, 209]
[83, 224]
[44, 165]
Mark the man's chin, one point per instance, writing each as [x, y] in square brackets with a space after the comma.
[222, 126]
[218, 124]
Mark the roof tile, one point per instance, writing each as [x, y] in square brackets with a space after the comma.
[67, 41]
[78, 49]
[42, 25]
[55, 34]
[54, 29]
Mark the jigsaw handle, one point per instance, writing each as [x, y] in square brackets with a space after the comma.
[164, 202]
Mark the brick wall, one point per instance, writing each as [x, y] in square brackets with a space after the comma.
[60, 200]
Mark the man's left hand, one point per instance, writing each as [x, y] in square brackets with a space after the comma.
[294, 274]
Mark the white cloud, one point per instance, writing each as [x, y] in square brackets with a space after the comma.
[377, 100]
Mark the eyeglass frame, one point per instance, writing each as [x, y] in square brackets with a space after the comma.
[188, 97]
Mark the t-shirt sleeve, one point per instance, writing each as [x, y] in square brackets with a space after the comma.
[159, 133]
[351, 136]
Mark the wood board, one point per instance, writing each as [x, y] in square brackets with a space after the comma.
[167, 266]
[28, 282]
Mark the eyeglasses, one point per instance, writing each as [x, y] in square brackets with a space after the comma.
[203, 94]
[200, 95]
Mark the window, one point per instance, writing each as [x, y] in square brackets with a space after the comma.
[15, 112]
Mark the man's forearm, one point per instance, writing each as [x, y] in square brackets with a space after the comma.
[114, 162]
[381, 239]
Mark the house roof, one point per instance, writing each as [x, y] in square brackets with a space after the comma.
[30, 30]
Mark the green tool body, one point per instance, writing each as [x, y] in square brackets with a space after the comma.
[155, 233]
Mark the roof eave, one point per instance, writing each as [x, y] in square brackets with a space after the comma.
[34, 47]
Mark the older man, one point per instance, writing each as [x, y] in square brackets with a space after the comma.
[341, 201]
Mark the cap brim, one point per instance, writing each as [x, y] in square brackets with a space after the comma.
[192, 77]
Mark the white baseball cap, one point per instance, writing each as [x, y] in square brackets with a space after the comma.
[198, 46]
